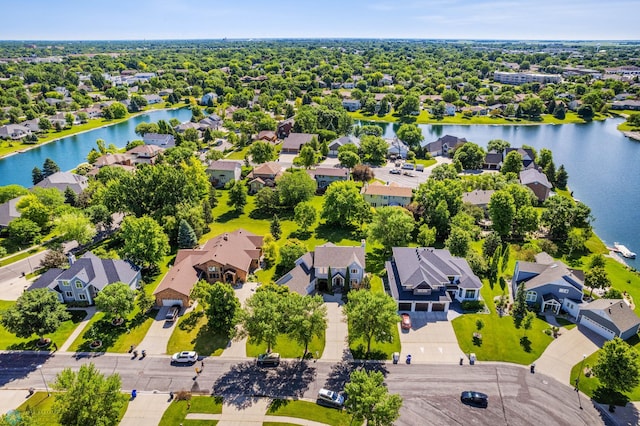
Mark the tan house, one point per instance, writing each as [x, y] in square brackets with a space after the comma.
[267, 136]
[325, 176]
[229, 257]
[380, 195]
[264, 175]
[222, 172]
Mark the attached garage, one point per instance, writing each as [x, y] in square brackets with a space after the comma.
[170, 297]
[404, 306]
[171, 302]
[598, 328]
[422, 307]
[610, 318]
[437, 307]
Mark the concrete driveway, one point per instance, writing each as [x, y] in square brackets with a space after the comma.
[14, 287]
[430, 340]
[156, 339]
[336, 345]
[238, 348]
[566, 351]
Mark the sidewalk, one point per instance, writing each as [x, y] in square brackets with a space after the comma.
[91, 311]
[146, 409]
[11, 399]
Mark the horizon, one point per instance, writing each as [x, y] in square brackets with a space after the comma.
[454, 39]
[500, 20]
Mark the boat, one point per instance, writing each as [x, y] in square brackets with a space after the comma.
[624, 251]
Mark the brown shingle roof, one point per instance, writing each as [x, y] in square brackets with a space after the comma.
[376, 188]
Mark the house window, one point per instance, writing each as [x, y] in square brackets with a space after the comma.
[531, 296]
[68, 294]
[212, 269]
[65, 283]
[569, 305]
[470, 294]
[354, 271]
[82, 297]
[564, 290]
[78, 284]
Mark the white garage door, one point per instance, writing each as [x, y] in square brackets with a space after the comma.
[592, 325]
[171, 302]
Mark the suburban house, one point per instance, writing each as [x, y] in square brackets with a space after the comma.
[429, 279]
[264, 175]
[9, 211]
[211, 121]
[222, 172]
[110, 159]
[229, 257]
[86, 277]
[450, 109]
[325, 176]
[626, 104]
[208, 98]
[527, 154]
[159, 139]
[144, 154]
[328, 268]
[63, 180]
[344, 140]
[293, 143]
[443, 145]
[14, 131]
[610, 318]
[492, 161]
[284, 128]
[267, 136]
[351, 104]
[549, 284]
[397, 148]
[380, 195]
[152, 99]
[479, 197]
[537, 182]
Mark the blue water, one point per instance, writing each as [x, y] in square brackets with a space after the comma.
[70, 151]
[602, 165]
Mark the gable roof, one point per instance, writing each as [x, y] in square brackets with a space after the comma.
[451, 141]
[344, 140]
[296, 140]
[225, 165]
[9, 211]
[532, 175]
[391, 190]
[478, 197]
[270, 168]
[330, 171]
[62, 180]
[330, 255]
[538, 275]
[493, 157]
[612, 313]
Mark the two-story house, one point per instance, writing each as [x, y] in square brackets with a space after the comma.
[264, 175]
[293, 143]
[537, 182]
[222, 172]
[549, 284]
[335, 145]
[159, 139]
[328, 268]
[86, 277]
[443, 145]
[351, 104]
[63, 180]
[325, 176]
[429, 279]
[380, 195]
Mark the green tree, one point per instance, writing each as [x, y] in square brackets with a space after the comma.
[44, 124]
[266, 202]
[269, 251]
[370, 400]
[498, 145]
[362, 173]
[117, 300]
[295, 188]
[426, 236]
[371, 316]
[70, 197]
[561, 177]
[519, 306]
[527, 322]
[392, 227]
[409, 106]
[305, 215]
[502, 210]
[237, 196]
[596, 278]
[458, 242]
[75, 226]
[558, 216]
[145, 242]
[263, 317]
[308, 157]
[342, 203]
[186, 236]
[222, 308]
[559, 111]
[23, 231]
[290, 252]
[618, 366]
[49, 167]
[470, 155]
[374, 149]
[275, 227]
[410, 134]
[88, 397]
[307, 318]
[36, 175]
[36, 312]
[348, 159]
[261, 152]
[9, 192]
[512, 163]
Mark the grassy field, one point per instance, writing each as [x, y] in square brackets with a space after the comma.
[9, 341]
[238, 155]
[177, 411]
[42, 408]
[287, 347]
[309, 411]
[192, 332]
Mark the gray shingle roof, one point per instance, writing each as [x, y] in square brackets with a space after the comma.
[330, 255]
[556, 272]
[9, 211]
[614, 314]
[478, 197]
[296, 140]
[530, 176]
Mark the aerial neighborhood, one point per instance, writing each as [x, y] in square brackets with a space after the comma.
[282, 204]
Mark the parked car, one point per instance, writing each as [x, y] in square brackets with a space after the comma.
[474, 398]
[183, 357]
[408, 166]
[172, 313]
[270, 358]
[394, 171]
[330, 398]
[407, 173]
[406, 322]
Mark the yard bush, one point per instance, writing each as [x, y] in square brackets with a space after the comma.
[472, 305]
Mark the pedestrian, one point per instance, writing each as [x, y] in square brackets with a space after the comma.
[55, 346]
[201, 365]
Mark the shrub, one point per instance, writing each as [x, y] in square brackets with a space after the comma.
[472, 305]
[548, 246]
[183, 395]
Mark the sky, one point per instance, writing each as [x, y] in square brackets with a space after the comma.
[420, 19]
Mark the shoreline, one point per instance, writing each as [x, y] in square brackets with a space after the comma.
[34, 146]
[635, 136]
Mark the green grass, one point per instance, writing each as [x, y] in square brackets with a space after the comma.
[192, 332]
[565, 323]
[624, 279]
[238, 155]
[177, 411]
[287, 347]
[9, 341]
[42, 407]
[591, 385]
[309, 411]
[425, 163]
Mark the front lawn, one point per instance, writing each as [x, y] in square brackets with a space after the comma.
[591, 385]
[41, 407]
[287, 347]
[192, 332]
[9, 341]
[309, 411]
[177, 411]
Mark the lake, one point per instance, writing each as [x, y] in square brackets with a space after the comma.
[70, 151]
[601, 162]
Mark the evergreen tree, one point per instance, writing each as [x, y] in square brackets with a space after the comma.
[561, 177]
[559, 112]
[519, 306]
[36, 175]
[347, 282]
[275, 227]
[550, 172]
[70, 197]
[49, 167]
[329, 280]
[186, 235]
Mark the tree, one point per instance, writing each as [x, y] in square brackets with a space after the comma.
[222, 308]
[342, 203]
[263, 317]
[49, 167]
[290, 252]
[269, 251]
[307, 318]
[70, 197]
[237, 196]
[426, 236]
[44, 124]
[362, 173]
[527, 322]
[370, 400]
[470, 155]
[145, 242]
[117, 300]
[305, 215]
[374, 149]
[458, 242]
[88, 397]
[512, 163]
[348, 159]
[532, 106]
[36, 175]
[23, 231]
[275, 227]
[75, 226]
[410, 105]
[261, 152]
[295, 188]
[371, 316]
[266, 201]
[559, 111]
[186, 236]
[586, 112]
[54, 259]
[498, 145]
[308, 157]
[438, 110]
[410, 134]
[561, 177]
[36, 312]
[558, 216]
[502, 210]
[519, 306]
[392, 227]
[618, 366]
[596, 278]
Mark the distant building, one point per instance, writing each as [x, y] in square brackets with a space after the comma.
[377, 194]
[518, 78]
[222, 172]
[159, 139]
[63, 180]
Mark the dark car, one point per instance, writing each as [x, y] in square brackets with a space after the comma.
[474, 398]
[172, 313]
[271, 358]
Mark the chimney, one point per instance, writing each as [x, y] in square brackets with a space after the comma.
[71, 258]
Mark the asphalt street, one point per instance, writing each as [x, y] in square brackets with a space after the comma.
[24, 266]
[431, 393]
